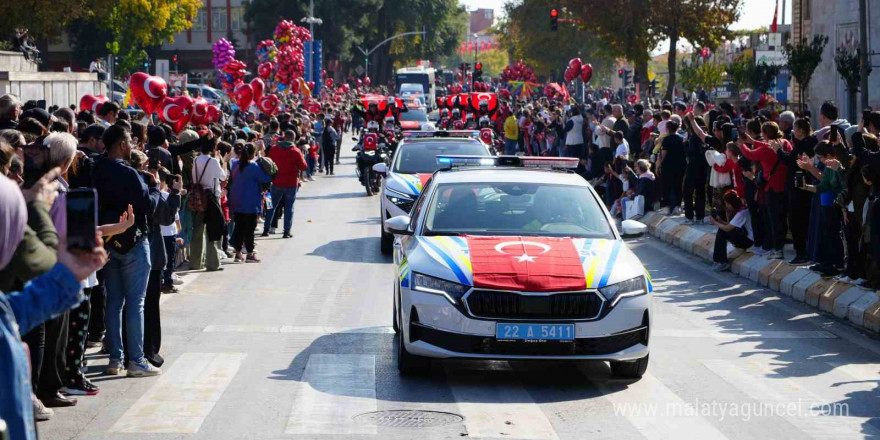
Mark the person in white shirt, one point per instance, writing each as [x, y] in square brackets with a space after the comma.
[208, 174]
[605, 137]
[738, 231]
[96, 66]
[622, 149]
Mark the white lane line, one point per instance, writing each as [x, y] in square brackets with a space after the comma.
[232, 328]
[183, 395]
[787, 399]
[500, 411]
[657, 412]
[333, 389]
[737, 334]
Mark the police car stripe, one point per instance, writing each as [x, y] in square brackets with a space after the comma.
[455, 248]
[609, 264]
[462, 278]
[405, 182]
[594, 264]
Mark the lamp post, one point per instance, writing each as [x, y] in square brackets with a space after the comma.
[312, 21]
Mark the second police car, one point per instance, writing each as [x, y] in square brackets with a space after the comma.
[413, 164]
[510, 259]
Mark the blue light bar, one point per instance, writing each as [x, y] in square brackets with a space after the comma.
[413, 134]
[549, 163]
[465, 161]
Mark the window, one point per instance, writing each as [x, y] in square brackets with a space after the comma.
[238, 18]
[487, 14]
[200, 23]
[218, 19]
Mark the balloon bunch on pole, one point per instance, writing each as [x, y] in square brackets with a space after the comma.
[576, 68]
[519, 71]
[289, 59]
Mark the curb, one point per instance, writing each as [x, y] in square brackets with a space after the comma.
[859, 306]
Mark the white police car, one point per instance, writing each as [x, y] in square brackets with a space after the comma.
[413, 164]
[517, 261]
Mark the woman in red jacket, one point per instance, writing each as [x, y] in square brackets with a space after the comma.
[772, 179]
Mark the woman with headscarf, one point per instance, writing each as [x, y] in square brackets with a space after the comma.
[44, 297]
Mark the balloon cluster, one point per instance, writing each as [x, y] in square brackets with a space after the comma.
[224, 53]
[576, 68]
[232, 74]
[289, 60]
[481, 87]
[519, 71]
[266, 51]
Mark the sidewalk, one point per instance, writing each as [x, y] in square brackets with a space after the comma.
[859, 306]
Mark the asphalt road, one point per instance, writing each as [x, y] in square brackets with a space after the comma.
[299, 345]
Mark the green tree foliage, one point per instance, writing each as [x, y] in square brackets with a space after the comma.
[739, 71]
[803, 58]
[494, 61]
[526, 34]
[763, 76]
[847, 62]
[45, 18]
[700, 74]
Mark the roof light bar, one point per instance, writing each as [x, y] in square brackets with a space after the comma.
[549, 162]
[453, 161]
[413, 134]
[465, 161]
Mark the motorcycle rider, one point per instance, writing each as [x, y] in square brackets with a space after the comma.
[444, 119]
[456, 123]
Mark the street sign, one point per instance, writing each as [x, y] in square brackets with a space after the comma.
[162, 69]
[770, 57]
[359, 70]
[177, 80]
[774, 39]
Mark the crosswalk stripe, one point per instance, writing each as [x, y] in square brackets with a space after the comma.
[232, 328]
[183, 395]
[738, 334]
[500, 410]
[657, 412]
[789, 400]
[334, 388]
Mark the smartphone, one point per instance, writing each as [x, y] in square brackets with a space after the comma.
[866, 114]
[734, 134]
[82, 219]
[799, 179]
[832, 135]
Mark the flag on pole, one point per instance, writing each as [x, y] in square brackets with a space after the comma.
[773, 27]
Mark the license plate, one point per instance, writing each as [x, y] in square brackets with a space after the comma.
[535, 332]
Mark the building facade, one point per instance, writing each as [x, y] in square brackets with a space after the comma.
[839, 20]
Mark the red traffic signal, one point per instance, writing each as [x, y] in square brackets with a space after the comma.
[620, 72]
[554, 13]
[478, 66]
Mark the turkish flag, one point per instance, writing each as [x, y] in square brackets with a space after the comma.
[773, 26]
[528, 264]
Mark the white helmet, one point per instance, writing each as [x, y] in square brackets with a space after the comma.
[372, 125]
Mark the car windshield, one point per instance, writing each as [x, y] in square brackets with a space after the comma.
[208, 93]
[516, 209]
[421, 157]
[414, 115]
[412, 88]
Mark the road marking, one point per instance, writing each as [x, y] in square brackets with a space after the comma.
[183, 395]
[333, 389]
[787, 399]
[231, 328]
[496, 410]
[737, 334]
[656, 411]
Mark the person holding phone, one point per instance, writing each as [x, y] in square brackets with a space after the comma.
[737, 231]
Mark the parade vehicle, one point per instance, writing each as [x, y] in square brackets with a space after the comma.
[413, 164]
[414, 119]
[516, 258]
[408, 80]
[372, 149]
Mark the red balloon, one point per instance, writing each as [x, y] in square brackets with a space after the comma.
[586, 72]
[359, 82]
[311, 85]
[328, 82]
[244, 96]
[367, 80]
[200, 111]
[212, 114]
[176, 111]
[259, 87]
[92, 102]
[147, 91]
[269, 104]
[575, 66]
[265, 70]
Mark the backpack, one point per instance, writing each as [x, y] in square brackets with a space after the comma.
[197, 199]
[269, 167]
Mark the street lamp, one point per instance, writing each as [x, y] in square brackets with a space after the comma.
[312, 21]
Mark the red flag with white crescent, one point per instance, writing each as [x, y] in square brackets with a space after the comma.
[773, 26]
[533, 264]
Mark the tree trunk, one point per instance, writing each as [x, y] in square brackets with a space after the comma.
[642, 68]
[670, 63]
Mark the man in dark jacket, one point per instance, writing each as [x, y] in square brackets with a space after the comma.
[329, 137]
[671, 166]
[696, 176]
[290, 162]
[10, 108]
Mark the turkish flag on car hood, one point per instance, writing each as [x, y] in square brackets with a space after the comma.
[532, 264]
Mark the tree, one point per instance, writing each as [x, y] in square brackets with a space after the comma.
[632, 28]
[87, 41]
[139, 24]
[739, 71]
[494, 61]
[528, 41]
[45, 18]
[701, 74]
[848, 63]
[763, 76]
[803, 58]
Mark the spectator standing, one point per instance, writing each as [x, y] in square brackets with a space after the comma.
[209, 176]
[799, 199]
[246, 202]
[671, 166]
[290, 162]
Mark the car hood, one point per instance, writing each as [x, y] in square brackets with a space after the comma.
[411, 184]
[528, 264]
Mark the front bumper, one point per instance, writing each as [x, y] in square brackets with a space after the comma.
[435, 328]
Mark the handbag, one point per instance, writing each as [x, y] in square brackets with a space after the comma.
[634, 208]
[198, 199]
[760, 180]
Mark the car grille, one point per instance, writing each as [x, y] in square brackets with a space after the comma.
[511, 305]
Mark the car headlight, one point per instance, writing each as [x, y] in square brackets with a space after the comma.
[624, 289]
[398, 198]
[452, 291]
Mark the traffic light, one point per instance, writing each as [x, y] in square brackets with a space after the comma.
[627, 77]
[554, 19]
[147, 64]
[478, 72]
[620, 73]
[636, 77]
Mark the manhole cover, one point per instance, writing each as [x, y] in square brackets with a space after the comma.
[408, 418]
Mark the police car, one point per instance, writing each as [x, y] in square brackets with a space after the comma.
[413, 164]
[510, 258]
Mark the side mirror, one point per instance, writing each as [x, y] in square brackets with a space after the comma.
[632, 228]
[380, 168]
[398, 225]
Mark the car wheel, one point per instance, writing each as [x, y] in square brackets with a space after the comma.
[410, 364]
[630, 369]
[387, 242]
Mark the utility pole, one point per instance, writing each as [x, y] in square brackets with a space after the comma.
[864, 61]
[312, 21]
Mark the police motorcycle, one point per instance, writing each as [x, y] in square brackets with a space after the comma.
[371, 148]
